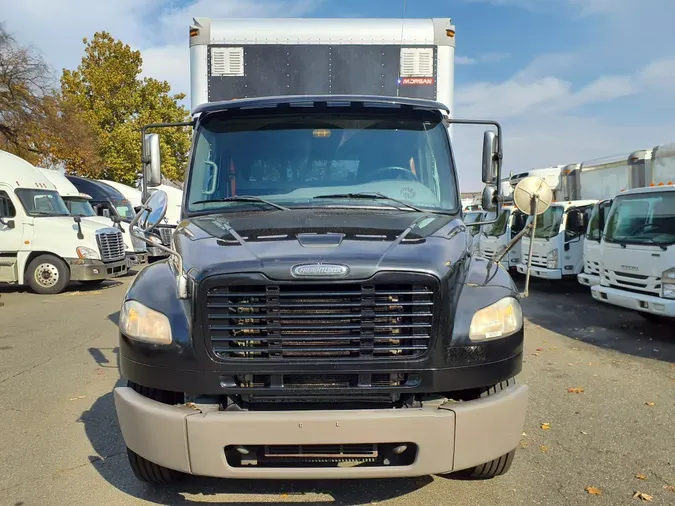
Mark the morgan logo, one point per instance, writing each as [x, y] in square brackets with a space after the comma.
[322, 270]
[416, 81]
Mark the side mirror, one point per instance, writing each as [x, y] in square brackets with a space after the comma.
[153, 211]
[488, 197]
[490, 157]
[151, 160]
[8, 223]
[106, 213]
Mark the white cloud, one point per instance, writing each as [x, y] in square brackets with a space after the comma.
[483, 58]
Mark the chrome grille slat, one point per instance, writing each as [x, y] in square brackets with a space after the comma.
[110, 244]
[349, 320]
[165, 233]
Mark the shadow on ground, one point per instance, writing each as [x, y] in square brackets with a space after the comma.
[567, 308]
[102, 429]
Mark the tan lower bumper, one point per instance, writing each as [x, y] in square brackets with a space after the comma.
[451, 438]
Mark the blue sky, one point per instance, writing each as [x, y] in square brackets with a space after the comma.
[570, 80]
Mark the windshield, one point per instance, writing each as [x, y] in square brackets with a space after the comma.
[499, 226]
[291, 158]
[642, 219]
[548, 223]
[594, 232]
[518, 222]
[79, 206]
[124, 209]
[38, 202]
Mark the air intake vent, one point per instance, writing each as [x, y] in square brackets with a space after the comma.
[417, 62]
[227, 61]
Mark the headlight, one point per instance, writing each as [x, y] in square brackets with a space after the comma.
[141, 323]
[84, 252]
[552, 259]
[668, 284]
[501, 319]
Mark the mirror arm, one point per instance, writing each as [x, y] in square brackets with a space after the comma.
[145, 157]
[533, 213]
[181, 284]
[496, 258]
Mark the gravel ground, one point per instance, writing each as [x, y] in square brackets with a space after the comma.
[60, 442]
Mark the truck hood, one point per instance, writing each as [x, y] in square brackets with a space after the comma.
[637, 259]
[364, 240]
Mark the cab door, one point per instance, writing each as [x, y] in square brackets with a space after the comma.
[11, 237]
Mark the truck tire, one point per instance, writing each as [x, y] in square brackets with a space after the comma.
[495, 467]
[142, 468]
[91, 282]
[47, 275]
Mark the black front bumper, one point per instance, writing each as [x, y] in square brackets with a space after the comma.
[468, 368]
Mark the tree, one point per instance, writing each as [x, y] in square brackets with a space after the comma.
[34, 124]
[24, 81]
[107, 92]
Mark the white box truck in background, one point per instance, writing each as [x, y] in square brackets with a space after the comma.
[41, 245]
[638, 253]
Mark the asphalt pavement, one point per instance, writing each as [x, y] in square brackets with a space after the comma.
[599, 429]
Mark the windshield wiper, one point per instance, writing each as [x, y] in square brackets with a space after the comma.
[372, 196]
[244, 198]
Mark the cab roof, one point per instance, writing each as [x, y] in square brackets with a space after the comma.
[97, 190]
[19, 173]
[309, 101]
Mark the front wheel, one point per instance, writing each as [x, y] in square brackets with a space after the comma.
[150, 472]
[142, 468]
[48, 275]
[491, 469]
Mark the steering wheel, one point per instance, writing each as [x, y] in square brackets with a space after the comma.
[642, 227]
[392, 168]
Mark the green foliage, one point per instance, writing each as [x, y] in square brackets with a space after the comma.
[115, 102]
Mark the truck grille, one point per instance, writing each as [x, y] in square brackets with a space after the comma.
[137, 244]
[165, 233]
[638, 283]
[110, 244]
[318, 321]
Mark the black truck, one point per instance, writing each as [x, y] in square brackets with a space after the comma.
[321, 314]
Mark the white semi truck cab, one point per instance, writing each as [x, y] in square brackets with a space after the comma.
[79, 205]
[41, 244]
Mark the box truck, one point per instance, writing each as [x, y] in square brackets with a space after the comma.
[321, 314]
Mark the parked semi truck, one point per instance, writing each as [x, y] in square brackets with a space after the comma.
[79, 204]
[637, 247]
[41, 244]
[320, 307]
[108, 201]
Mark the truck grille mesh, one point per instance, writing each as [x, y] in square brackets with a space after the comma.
[111, 245]
[165, 233]
[319, 321]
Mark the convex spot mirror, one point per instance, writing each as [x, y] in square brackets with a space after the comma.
[531, 189]
[154, 211]
[487, 199]
[490, 157]
[152, 169]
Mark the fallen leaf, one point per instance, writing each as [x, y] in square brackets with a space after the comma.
[78, 397]
[584, 433]
[540, 349]
[523, 434]
[535, 354]
[669, 488]
[523, 444]
[593, 491]
[650, 403]
[545, 426]
[543, 448]
[284, 495]
[570, 363]
[641, 476]
[643, 496]
[575, 390]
